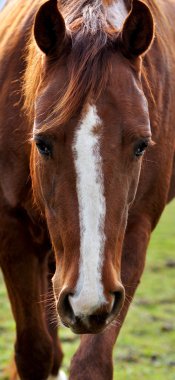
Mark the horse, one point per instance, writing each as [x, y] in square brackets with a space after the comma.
[87, 165]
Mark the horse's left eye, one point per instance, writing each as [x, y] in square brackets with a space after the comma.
[43, 147]
[140, 148]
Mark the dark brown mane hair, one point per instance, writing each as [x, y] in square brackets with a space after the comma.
[89, 60]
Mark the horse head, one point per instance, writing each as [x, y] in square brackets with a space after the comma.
[90, 133]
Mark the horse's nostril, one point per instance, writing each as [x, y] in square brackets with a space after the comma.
[65, 310]
[118, 301]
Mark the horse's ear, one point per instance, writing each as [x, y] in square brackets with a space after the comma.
[138, 30]
[49, 28]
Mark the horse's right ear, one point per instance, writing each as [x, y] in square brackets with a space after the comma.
[49, 28]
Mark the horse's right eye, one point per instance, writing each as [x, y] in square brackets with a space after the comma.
[43, 147]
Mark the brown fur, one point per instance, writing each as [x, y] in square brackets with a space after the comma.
[90, 63]
[94, 65]
[90, 60]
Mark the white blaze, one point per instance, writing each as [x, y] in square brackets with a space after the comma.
[117, 13]
[92, 209]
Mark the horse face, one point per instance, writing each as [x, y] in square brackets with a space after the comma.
[85, 175]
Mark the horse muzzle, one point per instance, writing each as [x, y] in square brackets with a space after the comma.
[96, 319]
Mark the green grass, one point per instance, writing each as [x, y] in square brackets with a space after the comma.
[146, 345]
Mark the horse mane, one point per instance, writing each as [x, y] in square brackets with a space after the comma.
[89, 63]
[89, 60]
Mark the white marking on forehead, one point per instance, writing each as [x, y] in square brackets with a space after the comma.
[117, 13]
[92, 210]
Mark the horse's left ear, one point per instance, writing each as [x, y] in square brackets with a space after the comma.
[49, 28]
[138, 30]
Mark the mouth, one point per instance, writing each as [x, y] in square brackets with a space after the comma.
[88, 325]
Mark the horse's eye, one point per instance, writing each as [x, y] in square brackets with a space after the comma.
[140, 148]
[43, 147]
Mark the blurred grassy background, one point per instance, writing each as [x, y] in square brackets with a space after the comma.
[146, 346]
